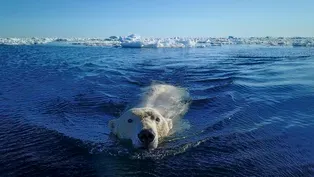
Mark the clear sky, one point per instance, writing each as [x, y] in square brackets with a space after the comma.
[163, 18]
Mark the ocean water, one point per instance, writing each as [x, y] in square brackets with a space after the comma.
[251, 114]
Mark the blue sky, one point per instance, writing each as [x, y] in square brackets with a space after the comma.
[163, 18]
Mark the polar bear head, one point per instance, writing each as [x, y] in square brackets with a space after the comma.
[143, 126]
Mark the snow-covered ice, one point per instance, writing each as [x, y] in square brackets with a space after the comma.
[135, 41]
[25, 41]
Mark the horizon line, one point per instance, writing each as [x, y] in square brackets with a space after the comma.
[229, 36]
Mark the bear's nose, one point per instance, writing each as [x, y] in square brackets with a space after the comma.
[146, 136]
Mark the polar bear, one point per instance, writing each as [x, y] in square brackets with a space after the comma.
[152, 119]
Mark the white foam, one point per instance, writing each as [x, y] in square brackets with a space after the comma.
[170, 101]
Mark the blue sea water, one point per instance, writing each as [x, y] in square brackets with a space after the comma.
[252, 111]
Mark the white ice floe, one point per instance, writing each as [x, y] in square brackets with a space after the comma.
[25, 41]
[94, 42]
[135, 41]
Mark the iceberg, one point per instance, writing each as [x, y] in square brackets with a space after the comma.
[135, 41]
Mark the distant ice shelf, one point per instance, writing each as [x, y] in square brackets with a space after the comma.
[135, 41]
[25, 41]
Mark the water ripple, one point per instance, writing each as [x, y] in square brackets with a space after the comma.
[250, 115]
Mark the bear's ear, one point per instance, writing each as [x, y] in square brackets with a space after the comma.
[112, 125]
[169, 122]
[138, 112]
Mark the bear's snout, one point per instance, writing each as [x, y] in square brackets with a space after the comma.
[146, 136]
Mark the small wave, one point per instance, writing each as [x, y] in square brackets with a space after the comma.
[81, 104]
[201, 102]
[272, 57]
[24, 144]
[215, 87]
[296, 57]
[133, 82]
[211, 80]
[90, 65]
[263, 57]
[251, 63]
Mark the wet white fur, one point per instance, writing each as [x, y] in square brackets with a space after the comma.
[165, 102]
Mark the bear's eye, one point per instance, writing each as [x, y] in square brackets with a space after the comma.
[130, 120]
[157, 119]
